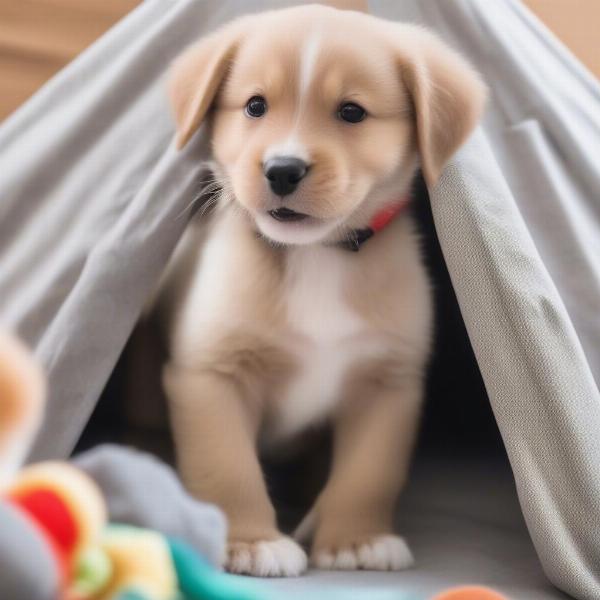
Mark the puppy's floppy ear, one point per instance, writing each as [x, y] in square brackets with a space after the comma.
[448, 96]
[197, 75]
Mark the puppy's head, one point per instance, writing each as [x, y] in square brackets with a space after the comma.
[320, 115]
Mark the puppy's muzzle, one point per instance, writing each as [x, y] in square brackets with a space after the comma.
[284, 173]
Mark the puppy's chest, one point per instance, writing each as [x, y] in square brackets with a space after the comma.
[326, 337]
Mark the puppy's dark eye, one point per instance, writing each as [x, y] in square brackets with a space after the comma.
[352, 113]
[256, 106]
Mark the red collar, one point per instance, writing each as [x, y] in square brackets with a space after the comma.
[381, 219]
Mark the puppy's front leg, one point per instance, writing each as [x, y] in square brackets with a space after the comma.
[373, 438]
[215, 435]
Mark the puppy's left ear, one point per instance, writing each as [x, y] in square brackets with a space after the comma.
[197, 75]
[448, 96]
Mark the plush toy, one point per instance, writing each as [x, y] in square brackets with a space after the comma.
[28, 565]
[65, 508]
[22, 397]
[125, 475]
[97, 561]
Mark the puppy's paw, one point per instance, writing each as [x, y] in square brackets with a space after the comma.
[376, 553]
[280, 557]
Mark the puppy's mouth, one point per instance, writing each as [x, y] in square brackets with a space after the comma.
[287, 215]
[287, 226]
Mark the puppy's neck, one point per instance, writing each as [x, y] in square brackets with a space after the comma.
[385, 202]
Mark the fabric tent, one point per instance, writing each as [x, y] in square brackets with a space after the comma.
[94, 198]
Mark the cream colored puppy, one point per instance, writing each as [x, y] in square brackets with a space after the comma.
[319, 119]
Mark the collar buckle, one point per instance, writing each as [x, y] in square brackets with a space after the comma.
[357, 238]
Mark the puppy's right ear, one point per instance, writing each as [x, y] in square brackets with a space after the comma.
[197, 75]
[447, 94]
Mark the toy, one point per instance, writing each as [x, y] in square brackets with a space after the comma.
[96, 561]
[65, 508]
[22, 397]
[125, 475]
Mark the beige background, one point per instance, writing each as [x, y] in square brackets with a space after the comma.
[38, 37]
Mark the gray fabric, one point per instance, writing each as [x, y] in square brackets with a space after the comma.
[140, 490]
[27, 567]
[539, 384]
[94, 199]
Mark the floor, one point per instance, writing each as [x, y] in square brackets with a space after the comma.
[38, 37]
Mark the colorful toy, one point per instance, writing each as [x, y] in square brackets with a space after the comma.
[65, 508]
[96, 561]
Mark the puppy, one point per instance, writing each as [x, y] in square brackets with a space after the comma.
[302, 298]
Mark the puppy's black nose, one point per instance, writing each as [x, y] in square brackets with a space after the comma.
[284, 173]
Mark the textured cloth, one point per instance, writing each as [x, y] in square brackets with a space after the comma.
[94, 199]
[538, 382]
[142, 491]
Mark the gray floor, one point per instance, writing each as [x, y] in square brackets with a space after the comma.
[462, 519]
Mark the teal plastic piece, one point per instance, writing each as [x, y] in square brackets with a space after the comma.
[132, 595]
[199, 581]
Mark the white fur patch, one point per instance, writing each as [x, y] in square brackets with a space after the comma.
[308, 60]
[382, 553]
[276, 558]
[319, 315]
[291, 146]
[209, 285]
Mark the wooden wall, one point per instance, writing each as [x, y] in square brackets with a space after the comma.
[38, 37]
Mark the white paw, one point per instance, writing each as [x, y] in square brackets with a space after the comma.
[281, 557]
[379, 553]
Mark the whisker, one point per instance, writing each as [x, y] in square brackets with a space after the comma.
[206, 192]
